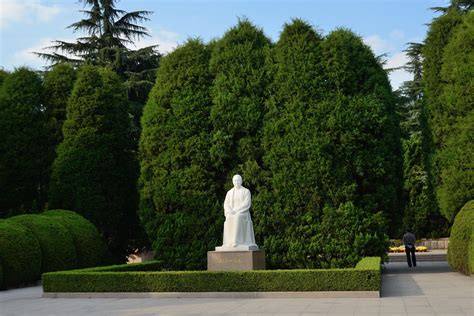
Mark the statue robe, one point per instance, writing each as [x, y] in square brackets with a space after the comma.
[238, 227]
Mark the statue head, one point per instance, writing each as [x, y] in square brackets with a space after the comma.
[237, 181]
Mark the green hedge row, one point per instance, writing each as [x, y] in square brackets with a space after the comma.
[366, 276]
[52, 241]
[461, 241]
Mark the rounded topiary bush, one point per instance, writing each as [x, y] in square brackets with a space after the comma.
[20, 255]
[90, 248]
[55, 241]
[461, 241]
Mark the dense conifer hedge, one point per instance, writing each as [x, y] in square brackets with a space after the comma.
[179, 203]
[238, 97]
[286, 209]
[309, 122]
[57, 87]
[25, 144]
[94, 173]
[456, 156]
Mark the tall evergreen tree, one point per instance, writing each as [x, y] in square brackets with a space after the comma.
[58, 84]
[286, 209]
[179, 206]
[439, 33]
[108, 31]
[421, 209]
[25, 144]
[365, 153]
[238, 92]
[455, 157]
[94, 173]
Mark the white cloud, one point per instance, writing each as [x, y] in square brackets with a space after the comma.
[12, 11]
[379, 45]
[167, 41]
[397, 77]
[395, 59]
[26, 57]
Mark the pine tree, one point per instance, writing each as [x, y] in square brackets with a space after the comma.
[25, 144]
[108, 31]
[179, 205]
[94, 173]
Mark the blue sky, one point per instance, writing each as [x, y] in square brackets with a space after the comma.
[385, 25]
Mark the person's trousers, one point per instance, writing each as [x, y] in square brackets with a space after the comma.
[411, 258]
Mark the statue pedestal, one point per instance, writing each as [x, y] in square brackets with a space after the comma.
[235, 260]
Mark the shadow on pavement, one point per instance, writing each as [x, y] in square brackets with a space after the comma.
[422, 267]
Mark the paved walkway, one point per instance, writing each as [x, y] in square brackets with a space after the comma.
[430, 289]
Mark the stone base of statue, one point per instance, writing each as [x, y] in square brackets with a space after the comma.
[234, 258]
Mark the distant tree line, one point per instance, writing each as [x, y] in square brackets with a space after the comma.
[436, 109]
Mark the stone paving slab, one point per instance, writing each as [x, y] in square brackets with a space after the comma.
[430, 289]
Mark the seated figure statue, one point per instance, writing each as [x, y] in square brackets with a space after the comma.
[238, 227]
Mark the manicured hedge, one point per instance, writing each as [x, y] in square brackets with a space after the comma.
[461, 241]
[20, 255]
[365, 277]
[90, 248]
[55, 241]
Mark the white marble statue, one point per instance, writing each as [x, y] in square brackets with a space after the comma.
[238, 227]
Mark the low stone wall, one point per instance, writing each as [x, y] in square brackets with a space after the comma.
[440, 243]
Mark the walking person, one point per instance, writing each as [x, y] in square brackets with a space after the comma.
[409, 240]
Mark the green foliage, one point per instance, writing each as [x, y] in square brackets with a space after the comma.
[365, 277]
[438, 36]
[461, 241]
[352, 68]
[20, 255]
[56, 244]
[108, 33]
[109, 30]
[326, 146]
[368, 263]
[90, 248]
[25, 144]
[238, 94]
[58, 84]
[348, 234]
[373, 149]
[421, 211]
[178, 204]
[3, 75]
[94, 173]
[455, 158]
[289, 146]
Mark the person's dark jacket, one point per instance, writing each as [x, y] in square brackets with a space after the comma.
[409, 240]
